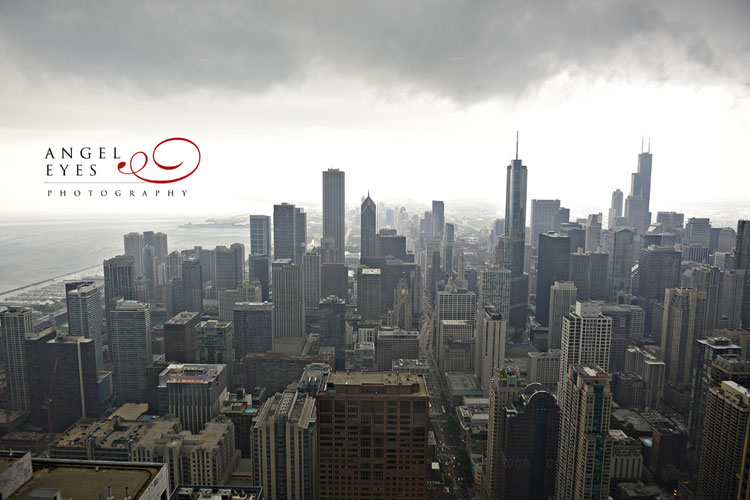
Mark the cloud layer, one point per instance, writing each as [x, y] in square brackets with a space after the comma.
[465, 50]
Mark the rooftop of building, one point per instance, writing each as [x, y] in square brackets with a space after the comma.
[406, 364]
[192, 492]
[392, 384]
[552, 353]
[181, 318]
[130, 411]
[462, 384]
[82, 480]
[374, 271]
[190, 373]
[397, 333]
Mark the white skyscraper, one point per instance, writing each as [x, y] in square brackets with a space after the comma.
[586, 338]
[131, 350]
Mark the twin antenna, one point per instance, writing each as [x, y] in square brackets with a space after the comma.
[649, 145]
[517, 145]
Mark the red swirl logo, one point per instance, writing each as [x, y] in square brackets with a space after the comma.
[174, 149]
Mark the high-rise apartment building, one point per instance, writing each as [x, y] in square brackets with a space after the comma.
[253, 328]
[454, 304]
[683, 324]
[260, 235]
[586, 337]
[16, 323]
[553, 265]
[288, 300]
[491, 335]
[334, 210]
[593, 232]
[658, 269]
[355, 452]
[563, 294]
[284, 446]
[505, 387]
[723, 442]
[84, 303]
[584, 456]
[131, 350]
[494, 289]
[285, 234]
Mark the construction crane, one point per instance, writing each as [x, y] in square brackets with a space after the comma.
[47, 402]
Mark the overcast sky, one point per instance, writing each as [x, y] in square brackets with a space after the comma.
[415, 99]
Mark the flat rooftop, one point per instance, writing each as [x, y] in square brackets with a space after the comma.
[130, 411]
[372, 380]
[89, 481]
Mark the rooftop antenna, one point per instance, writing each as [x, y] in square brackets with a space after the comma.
[641, 144]
[649, 145]
[516, 144]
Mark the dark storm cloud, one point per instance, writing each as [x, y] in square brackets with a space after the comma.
[466, 50]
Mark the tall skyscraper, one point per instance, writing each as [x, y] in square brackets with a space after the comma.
[288, 300]
[563, 294]
[543, 216]
[593, 232]
[684, 323]
[131, 350]
[368, 227]
[368, 294]
[621, 263]
[260, 270]
[724, 436]
[284, 233]
[311, 265]
[192, 285]
[505, 387]
[229, 266]
[584, 457]
[454, 304]
[119, 283]
[490, 344]
[615, 210]
[658, 269]
[84, 302]
[134, 243]
[253, 328]
[334, 209]
[494, 289]
[260, 235]
[284, 446]
[438, 219]
[742, 263]
[511, 246]
[637, 206]
[300, 234]
[698, 232]
[194, 392]
[526, 433]
[352, 447]
[586, 338]
[16, 323]
[553, 265]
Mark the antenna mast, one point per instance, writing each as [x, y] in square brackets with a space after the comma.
[516, 144]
